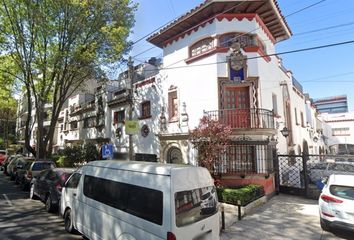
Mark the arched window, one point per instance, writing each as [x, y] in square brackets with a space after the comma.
[201, 46]
[174, 155]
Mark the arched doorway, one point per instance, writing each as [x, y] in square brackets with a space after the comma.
[174, 155]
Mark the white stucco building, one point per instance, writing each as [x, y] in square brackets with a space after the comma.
[341, 132]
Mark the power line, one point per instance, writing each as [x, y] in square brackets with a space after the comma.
[266, 55]
[324, 29]
[305, 8]
[232, 39]
[289, 15]
[190, 28]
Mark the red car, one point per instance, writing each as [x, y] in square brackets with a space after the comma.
[2, 156]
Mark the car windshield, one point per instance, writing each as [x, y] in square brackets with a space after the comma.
[342, 191]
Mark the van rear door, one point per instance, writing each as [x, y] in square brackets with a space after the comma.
[195, 214]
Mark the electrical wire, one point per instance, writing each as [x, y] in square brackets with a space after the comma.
[266, 55]
[173, 20]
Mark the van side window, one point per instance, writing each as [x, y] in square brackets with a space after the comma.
[139, 201]
[73, 182]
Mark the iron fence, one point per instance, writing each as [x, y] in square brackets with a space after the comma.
[245, 159]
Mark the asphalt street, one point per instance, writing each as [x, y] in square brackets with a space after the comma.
[23, 218]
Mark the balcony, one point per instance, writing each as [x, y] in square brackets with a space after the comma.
[250, 118]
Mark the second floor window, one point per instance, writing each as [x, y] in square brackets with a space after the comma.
[202, 46]
[73, 125]
[89, 122]
[146, 109]
[118, 116]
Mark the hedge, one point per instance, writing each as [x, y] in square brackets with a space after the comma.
[245, 194]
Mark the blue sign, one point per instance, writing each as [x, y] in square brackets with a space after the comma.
[107, 151]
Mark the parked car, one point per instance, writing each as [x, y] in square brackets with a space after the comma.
[12, 167]
[139, 201]
[3, 155]
[22, 168]
[321, 170]
[47, 186]
[7, 162]
[336, 202]
[33, 170]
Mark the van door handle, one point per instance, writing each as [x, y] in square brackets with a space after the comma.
[74, 194]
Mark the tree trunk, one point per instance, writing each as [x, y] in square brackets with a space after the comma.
[28, 122]
[41, 143]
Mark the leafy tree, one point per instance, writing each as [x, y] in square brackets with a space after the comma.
[57, 46]
[8, 105]
[71, 156]
[91, 152]
[210, 139]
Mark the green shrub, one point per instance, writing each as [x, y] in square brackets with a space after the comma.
[245, 194]
[72, 156]
[90, 152]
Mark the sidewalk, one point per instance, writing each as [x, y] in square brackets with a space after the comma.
[282, 217]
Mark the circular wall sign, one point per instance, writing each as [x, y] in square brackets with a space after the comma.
[145, 130]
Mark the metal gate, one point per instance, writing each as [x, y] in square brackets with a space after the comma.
[303, 174]
[292, 174]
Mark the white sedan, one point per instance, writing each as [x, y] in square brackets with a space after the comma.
[336, 202]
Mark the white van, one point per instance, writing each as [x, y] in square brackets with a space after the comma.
[128, 200]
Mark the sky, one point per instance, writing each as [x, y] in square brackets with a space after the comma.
[323, 72]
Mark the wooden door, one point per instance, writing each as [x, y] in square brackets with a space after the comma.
[235, 106]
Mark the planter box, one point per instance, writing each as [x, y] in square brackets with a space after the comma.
[231, 211]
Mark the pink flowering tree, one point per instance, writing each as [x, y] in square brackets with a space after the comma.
[210, 138]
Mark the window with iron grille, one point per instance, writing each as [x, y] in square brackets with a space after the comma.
[89, 122]
[202, 46]
[118, 116]
[146, 109]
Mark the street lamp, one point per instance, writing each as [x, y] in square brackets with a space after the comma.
[285, 132]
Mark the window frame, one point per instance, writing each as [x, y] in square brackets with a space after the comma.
[202, 46]
[145, 109]
[119, 116]
[125, 197]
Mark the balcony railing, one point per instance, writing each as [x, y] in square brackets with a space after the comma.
[244, 118]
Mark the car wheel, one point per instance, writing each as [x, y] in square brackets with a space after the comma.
[324, 225]
[69, 227]
[16, 180]
[32, 195]
[23, 185]
[48, 204]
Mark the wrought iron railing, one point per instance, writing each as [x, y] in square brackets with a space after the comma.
[245, 159]
[244, 118]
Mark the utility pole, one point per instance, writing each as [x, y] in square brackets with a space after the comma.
[131, 103]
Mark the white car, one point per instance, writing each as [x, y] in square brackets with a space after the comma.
[336, 202]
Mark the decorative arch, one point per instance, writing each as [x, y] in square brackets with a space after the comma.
[174, 155]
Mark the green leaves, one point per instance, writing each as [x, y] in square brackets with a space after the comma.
[57, 45]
